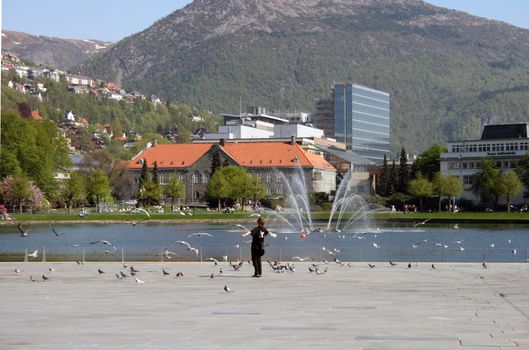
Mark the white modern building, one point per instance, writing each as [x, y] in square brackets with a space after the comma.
[504, 144]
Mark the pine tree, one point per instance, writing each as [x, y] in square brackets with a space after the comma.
[155, 173]
[393, 179]
[215, 159]
[402, 185]
[144, 174]
[383, 182]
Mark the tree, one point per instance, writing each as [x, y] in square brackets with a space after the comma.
[420, 188]
[99, 187]
[383, 184]
[446, 185]
[218, 188]
[16, 191]
[485, 182]
[393, 179]
[174, 189]
[150, 193]
[428, 162]
[403, 172]
[155, 173]
[74, 192]
[510, 186]
[215, 159]
[144, 176]
[522, 170]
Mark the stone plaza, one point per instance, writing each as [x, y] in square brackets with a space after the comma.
[351, 306]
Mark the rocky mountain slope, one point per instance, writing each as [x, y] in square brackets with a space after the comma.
[51, 52]
[448, 72]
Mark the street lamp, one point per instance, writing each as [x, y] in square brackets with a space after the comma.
[460, 178]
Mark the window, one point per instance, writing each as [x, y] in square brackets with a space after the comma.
[268, 177]
[467, 180]
[205, 178]
[278, 177]
[196, 178]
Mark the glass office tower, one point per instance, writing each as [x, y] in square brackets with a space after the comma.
[362, 120]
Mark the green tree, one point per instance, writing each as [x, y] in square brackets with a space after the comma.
[510, 186]
[428, 162]
[144, 176]
[150, 193]
[215, 159]
[155, 173]
[447, 185]
[99, 187]
[174, 189]
[383, 184]
[218, 188]
[402, 185]
[393, 179]
[16, 190]
[522, 170]
[420, 188]
[485, 182]
[74, 192]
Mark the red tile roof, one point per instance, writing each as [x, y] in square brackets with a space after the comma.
[171, 155]
[273, 154]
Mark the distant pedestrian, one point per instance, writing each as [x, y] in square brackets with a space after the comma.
[257, 248]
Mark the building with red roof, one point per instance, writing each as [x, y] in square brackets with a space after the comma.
[265, 160]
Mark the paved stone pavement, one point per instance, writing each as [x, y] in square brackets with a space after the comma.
[455, 306]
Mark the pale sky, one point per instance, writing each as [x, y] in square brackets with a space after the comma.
[116, 19]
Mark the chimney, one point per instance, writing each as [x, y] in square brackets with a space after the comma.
[293, 140]
[222, 142]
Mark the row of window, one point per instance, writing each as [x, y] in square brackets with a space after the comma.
[491, 147]
[503, 164]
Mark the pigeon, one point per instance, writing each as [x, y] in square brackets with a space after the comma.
[119, 277]
[392, 263]
[138, 281]
[179, 274]
[124, 275]
[433, 266]
[18, 270]
[32, 279]
[484, 265]
[165, 273]
[100, 271]
[228, 289]
[371, 266]
[212, 275]
[23, 233]
[51, 269]
[79, 262]
[44, 278]
[409, 265]
[34, 255]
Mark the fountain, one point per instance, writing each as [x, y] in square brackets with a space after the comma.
[348, 209]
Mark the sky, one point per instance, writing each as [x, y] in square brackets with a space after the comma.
[112, 20]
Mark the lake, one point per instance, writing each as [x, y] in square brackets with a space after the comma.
[401, 243]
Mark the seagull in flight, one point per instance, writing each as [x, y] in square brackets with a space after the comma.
[200, 234]
[104, 242]
[34, 255]
[189, 248]
[144, 211]
[140, 221]
[23, 233]
[456, 226]
[57, 234]
[242, 226]
[297, 258]
[376, 245]
[421, 223]
[212, 259]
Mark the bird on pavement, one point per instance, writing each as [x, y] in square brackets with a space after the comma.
[165, 273]
[100, 271]
[409, 265]
[138, 281]
[484, 265]
[433, 266]
[228, 289]
[44, 278]
[371, 266]
[18, 270]
[392, 263]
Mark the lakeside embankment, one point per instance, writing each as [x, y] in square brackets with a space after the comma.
[244, 217]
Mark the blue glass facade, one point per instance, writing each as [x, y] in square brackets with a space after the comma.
[362, 120]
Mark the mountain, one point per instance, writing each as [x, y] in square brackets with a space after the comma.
[51, 52]
[448, 72]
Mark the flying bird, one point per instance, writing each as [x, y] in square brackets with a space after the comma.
[376, 245]
[34, 255]
[212, 259]
[57, 234]
[200, 234]
[51, 269]
[143, 211]
[23, 233]
[297, 258]
[103, 241]
[165, 273]
[243, 227]
[140, 221]
[371, 266]
[456, 226]
[421, 223]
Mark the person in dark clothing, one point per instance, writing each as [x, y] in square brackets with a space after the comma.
[258, 234]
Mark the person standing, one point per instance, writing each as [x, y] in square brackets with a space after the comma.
[258, 234]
